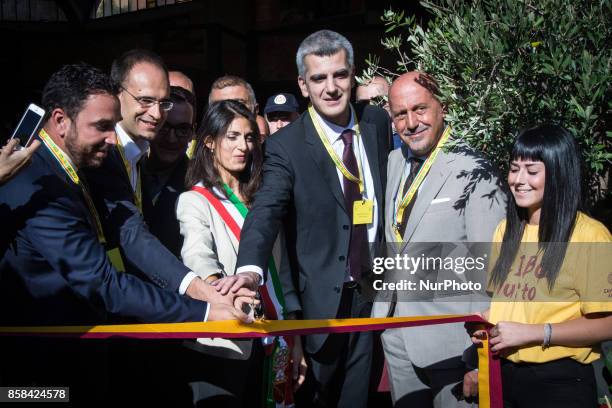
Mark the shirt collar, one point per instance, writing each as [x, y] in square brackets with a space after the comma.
[133, 150]
[333, 131]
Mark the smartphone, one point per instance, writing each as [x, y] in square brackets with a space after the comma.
[28, 125]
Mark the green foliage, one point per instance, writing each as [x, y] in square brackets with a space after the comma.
[506, 65]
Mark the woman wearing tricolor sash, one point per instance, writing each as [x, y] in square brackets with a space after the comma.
[223, 176]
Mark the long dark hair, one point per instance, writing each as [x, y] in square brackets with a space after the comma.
[556, 148]
[215, 122]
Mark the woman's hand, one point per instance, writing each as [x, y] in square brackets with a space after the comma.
[505, 335]
[476, 330]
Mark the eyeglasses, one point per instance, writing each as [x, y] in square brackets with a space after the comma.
[146, 101]
[181, 131]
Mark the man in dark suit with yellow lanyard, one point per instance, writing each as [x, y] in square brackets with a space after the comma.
[54, 269]
[323, 182]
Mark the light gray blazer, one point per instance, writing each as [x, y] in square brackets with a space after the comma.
[460, 200]
[210, 247]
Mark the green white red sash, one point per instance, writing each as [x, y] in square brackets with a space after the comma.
[277, 371]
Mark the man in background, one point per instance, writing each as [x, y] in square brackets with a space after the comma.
[236, 88]
[280, 110]
[165, 167]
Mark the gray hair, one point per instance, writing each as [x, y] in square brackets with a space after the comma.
[323, 43]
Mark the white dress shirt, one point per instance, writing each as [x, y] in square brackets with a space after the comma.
[134, 151]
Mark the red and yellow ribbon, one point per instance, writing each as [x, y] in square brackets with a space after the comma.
[489, 377]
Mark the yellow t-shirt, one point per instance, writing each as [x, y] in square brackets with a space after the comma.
[583, 286]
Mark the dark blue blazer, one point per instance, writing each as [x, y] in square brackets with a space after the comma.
[125, 227]
[53, 269]
[161, 214]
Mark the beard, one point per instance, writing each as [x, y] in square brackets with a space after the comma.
[83, 155]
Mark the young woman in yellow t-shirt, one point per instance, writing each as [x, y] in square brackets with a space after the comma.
[552, 302]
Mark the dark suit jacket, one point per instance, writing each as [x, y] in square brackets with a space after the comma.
[125, 227]
[54, 271]
[161, 214]
[301, 190]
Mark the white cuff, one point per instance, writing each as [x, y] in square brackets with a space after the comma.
[206, 314]
[252, 268]
[186, 282]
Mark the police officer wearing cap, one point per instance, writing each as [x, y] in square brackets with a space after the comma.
[280, 110]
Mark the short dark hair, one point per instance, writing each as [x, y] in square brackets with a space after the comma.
[556, 147]
[69, 87]
[125, 62]
[217, 118]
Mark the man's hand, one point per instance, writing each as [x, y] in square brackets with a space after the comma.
[199, 289]
[233, 283]
[220, 311]
[470, 384]
[11, 160]
[298, 362]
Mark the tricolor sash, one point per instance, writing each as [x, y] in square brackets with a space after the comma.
[277, 371]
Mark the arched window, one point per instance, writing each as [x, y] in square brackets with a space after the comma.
[107, 8]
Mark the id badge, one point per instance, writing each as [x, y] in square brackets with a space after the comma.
[363, 212]
[114, 255]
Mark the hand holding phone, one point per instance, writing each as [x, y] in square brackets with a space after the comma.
[28, 125]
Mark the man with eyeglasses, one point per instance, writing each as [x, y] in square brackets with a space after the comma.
[118, 186]
[121, 200]
[165, 167]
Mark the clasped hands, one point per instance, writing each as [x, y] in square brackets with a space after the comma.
[503, 338]
[228, 296]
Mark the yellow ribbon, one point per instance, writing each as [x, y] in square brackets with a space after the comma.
[113, 254]
[330, 150]
[128, 169]
[414, 187]
[67, 166]
[264, 328]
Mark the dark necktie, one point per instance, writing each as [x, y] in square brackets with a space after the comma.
[415, 166]
[358, 238]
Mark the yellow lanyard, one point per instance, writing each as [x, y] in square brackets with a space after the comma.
[61, 158]
[407, 198]
[330, 150]
[128, 168]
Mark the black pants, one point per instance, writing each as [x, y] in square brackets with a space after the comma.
[561, 383]
[341, 369]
